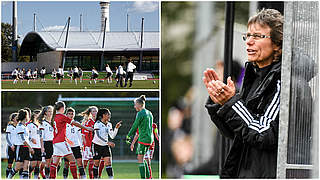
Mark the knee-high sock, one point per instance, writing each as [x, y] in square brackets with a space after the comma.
[47, 172]
[25, 175]
[8, 171]
[95, 172]
[101, 166]
[91, 169]
[147, 170]
[36, 172]
[58, 168]
[53, 171]
[81, 171]
[73, 169]
[142, 171]
[30, 171]
[65, 173]
[43, 174]
[109, 171]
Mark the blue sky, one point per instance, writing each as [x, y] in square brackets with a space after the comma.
[53, 15]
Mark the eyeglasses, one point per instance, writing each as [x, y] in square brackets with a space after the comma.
[246, 36]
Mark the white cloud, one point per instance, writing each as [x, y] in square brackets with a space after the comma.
[59, 28]
[145, 6]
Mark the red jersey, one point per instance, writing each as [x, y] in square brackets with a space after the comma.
[60, 124]
[88, 135]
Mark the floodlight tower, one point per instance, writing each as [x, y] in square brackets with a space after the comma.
[104, 5]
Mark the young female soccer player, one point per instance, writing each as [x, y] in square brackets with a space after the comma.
[11, 138]
[70, 74]
[75, 74]
[60, 74]
[42, 74]
[101, 145]
[35, 74]
[149, 155]
[143, 122]
[15, 76]
[74, 139]
[23, 147]
[34, 137]
[47, 136]
[89, 117]
[28, 76]
[108, 74]
[80, 74]
[94, 75]
[60, 146]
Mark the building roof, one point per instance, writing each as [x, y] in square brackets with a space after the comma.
[88, 41]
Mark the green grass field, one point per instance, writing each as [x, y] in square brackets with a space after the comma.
[122, 170]
[66, 84]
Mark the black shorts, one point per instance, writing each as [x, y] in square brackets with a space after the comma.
[11, 155]
[41, 75]
[48, 149]
[27, 78]
[22, 153]
[36, 156]
[76, 153]
[108, 74]
[99, 152]
[75, 75]
[14, 76]
[94, 76]
[59, 76]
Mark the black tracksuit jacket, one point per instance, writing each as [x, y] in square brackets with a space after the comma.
[252, 123]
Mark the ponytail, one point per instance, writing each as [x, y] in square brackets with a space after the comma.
[43, 113]
[58, 105]
[86, 113]
[141, 100]
[11, 117]
[101, 112]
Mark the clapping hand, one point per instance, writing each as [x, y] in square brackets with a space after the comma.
[219, 92]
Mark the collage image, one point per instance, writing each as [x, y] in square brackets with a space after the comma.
[159, 89]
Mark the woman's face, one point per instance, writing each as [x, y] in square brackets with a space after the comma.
[49, 113]
[261, 51]
[94, 113]
[137, 106]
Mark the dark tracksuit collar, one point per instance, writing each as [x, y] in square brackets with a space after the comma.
[251, 71]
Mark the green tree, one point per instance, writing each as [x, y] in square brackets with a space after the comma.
[6, 45]
[6, 40]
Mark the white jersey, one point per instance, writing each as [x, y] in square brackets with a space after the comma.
[28, 74]
[120, 70]
[76, 70]
[35, 73]
[102, 131]
[34, 133]
[47, 131]
[43, 71]
[60, 71]
[108, 69]
[11, 134]
[94, 72]
[73, 133]
[15, 73]
[21, 129]
[130, 67]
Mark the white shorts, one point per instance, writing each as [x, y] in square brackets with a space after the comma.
[87, 154]
[149, 154]
[61, 149]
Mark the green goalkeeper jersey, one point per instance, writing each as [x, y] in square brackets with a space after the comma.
[143, 123]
